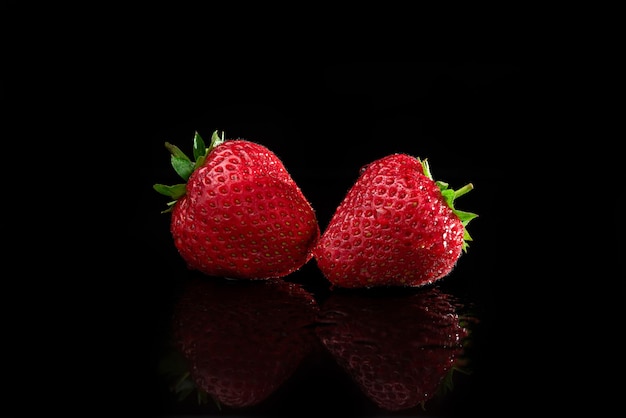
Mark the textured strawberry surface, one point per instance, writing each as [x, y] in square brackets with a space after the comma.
[243, 339]
[397, 348]
[392, 228]
[243, 216]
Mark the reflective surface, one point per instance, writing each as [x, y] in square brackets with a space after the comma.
[237, 347]
[401, 349]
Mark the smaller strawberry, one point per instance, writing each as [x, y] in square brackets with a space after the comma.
[396, 226]
[239, 213]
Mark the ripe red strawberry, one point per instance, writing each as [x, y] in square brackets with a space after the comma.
[401, 348]
[241, 340]
[396, 226]
[240, 213]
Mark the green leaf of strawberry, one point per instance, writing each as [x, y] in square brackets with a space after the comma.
[450, 196]
[184, 166]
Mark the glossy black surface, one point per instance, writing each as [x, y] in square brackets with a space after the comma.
[285, 347]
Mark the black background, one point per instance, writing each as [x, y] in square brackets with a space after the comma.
[118, 272]
[86, 121]
[90, 93]
[325, 122]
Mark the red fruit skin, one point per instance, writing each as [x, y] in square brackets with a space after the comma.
[243, 339]
[393, 228]
[397, 348]
[243, 216]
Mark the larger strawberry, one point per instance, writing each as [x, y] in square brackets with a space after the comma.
[240, 214]
[242, 339]
[400, 348]
[395, 227]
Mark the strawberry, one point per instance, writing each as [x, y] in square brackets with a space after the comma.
[400, 348]
[396, 226]
[242, 339]
[240, 214]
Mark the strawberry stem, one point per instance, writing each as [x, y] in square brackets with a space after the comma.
[463, 190]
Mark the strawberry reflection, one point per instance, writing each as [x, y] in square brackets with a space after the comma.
[241, 340]
[400, 347]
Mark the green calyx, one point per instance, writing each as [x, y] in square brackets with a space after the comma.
[184, 166]
[450, 195]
